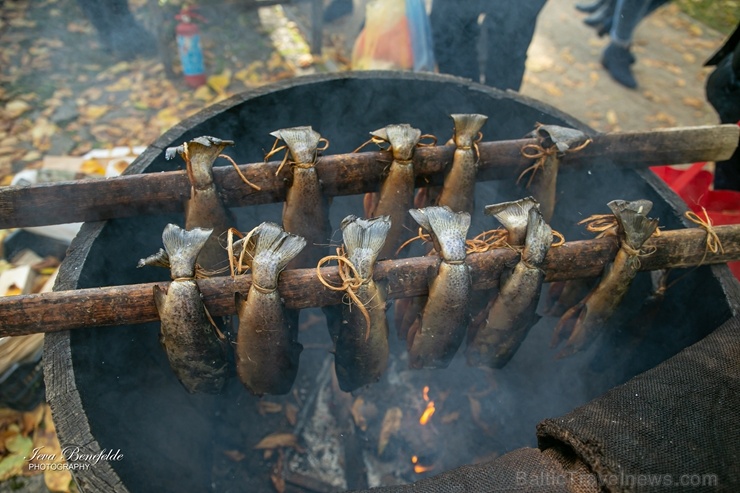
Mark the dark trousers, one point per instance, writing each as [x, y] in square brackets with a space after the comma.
[508, 25]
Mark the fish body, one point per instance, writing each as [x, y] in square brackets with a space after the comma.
[583, 322]
[306, 210]
[267, 350]
[194, 350]
[458, 192]
[361, 355]
[514, 216]
[556, 141]
[204, 208]
[397, 190]
[514, 310]
[436, 335]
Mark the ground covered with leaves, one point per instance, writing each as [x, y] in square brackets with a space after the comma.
[61, 94]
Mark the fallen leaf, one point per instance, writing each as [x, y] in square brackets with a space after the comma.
[291, 413]
[93, 111]
[552, 89]
[695, 103]
[17, 447]
[58, 480]
[16, 108]
[203, 93]
[92, 167]
[268, 407]
[220, 82]
[41, 134]
[611, 117]
[391, 425]
[277, 440]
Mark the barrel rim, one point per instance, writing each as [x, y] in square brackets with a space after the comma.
[62, 393]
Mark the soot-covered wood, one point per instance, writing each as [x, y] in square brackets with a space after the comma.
[300, 288]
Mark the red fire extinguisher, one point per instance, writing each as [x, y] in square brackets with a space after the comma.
[189, 46]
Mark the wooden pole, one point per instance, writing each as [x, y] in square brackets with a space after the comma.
[300, 288]
[344, 174]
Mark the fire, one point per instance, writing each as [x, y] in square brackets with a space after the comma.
[427, 414]
[418, 468]
[429, 411]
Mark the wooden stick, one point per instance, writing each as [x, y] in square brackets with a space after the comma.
[344, 174]
[133, 304]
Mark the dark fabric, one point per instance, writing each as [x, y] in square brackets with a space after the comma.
[723, 93]
[525, 470]
[509, 27]
[118, 30]
[677, 422]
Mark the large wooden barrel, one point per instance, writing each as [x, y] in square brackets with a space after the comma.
[111, 389]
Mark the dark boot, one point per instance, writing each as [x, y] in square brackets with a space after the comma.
[590, 8]
[617, 60]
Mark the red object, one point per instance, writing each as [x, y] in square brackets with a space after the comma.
[189, 47]
[693, 186]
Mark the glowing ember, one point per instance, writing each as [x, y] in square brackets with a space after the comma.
[429, 411]
[418, 468]
[427, 414]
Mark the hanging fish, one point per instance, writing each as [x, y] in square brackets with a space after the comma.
[581, 323]
[204, 208]
[515, 217]
[397, 191]
[267, 350]
[306, 209]
[458, 192]
[554, 143]
[514, 310]
[361, 351]
[197, 352]
[436, 335]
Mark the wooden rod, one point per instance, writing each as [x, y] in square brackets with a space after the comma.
[300, 288]
[344, 174]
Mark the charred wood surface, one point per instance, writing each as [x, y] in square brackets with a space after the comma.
[344, 174]
[300, 288]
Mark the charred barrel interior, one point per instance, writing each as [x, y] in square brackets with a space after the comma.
[111, 389]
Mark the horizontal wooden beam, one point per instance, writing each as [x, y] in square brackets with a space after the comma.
[344, 174]
[300, 288]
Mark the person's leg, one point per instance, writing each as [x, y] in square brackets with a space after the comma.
[455, 34]
[510, 27]
[617, 58]
[117, 29]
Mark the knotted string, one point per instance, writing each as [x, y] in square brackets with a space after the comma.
[239, 172]
[351, 282]
[605, 225]
[483, 242]
[275, 149]
[638, 253]
[712, 242]
[536, 151]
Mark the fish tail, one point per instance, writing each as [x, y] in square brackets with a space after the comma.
[539, 238]
[286, 246]
[513, 215]
[467, 127]
[182, 247]
[633, 220]
[447, 227]
[301, 141]
[365, 234]
[200, 154]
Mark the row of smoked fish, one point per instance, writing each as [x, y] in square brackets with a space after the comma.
[494, 322]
